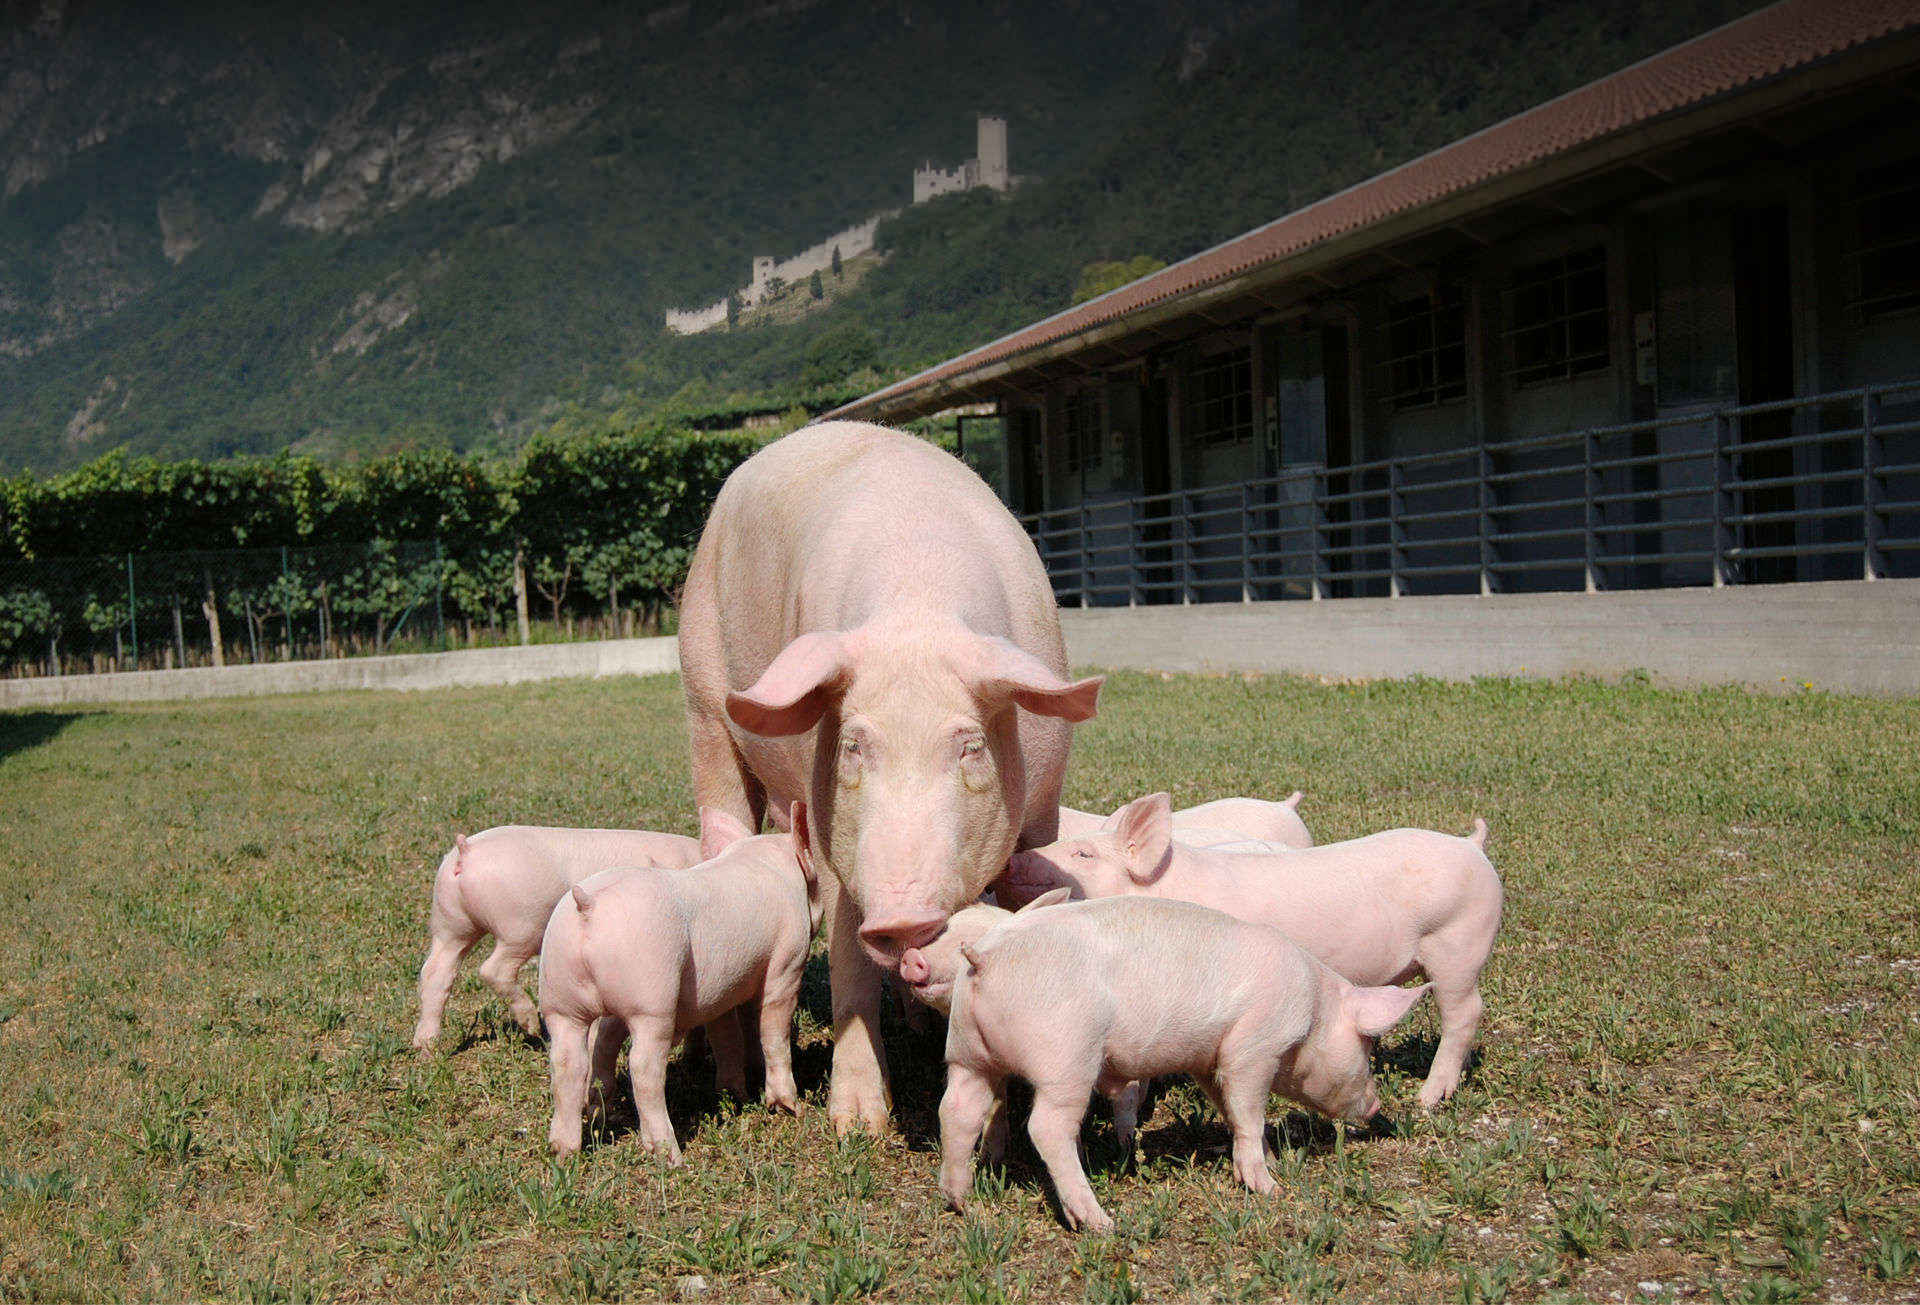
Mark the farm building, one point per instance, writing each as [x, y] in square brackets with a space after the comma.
[1661, 331]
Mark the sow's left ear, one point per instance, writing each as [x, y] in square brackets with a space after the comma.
[794, 691]
[1004, 669]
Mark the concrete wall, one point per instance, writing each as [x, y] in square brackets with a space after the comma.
[415, 671]
[1848, 636]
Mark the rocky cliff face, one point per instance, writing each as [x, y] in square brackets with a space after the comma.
[231, 225]
[370, 120]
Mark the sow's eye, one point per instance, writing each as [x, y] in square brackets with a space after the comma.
[976, 768]
[1083, 853]
[853, 757]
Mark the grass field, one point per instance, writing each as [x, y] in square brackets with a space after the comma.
[1698, 1076]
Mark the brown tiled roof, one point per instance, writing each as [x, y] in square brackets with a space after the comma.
[1751, 50]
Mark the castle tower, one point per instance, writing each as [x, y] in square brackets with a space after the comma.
[762, 274]
[991, 151]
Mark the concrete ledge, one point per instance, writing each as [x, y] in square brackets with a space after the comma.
[1848, 636]
[474, 666]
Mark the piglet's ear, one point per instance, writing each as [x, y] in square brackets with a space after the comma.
[800, 826]
[1375, 1010]
[791, 694]
[719, 831]
[1004, 670]
[1052, 897]
[1145, 829]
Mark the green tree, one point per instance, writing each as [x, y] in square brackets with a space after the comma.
[813, 285]
[838, 353]
[837, 272]
[1097, 279]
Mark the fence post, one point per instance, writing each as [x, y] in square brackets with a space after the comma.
[286, 592]
[133, 613]
[1086, 560]
[1870, 456]
[1719, 505]
[520, 591]
[1590, 447]
[1246, 543]
[439, 602]
[1395, 532]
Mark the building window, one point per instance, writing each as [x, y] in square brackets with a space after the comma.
[1557, 318]
[1885, 258]
[1080, 433]
[1219, 400]
[1427, 349]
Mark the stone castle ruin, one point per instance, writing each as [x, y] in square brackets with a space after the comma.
[987, 168]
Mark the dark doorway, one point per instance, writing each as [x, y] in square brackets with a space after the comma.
[1023, 455]
[1763, 327]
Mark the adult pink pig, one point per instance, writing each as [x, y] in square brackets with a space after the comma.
[865, 628]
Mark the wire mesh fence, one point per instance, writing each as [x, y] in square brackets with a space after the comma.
[146, 611]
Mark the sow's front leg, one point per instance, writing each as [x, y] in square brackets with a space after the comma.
[857, 1095]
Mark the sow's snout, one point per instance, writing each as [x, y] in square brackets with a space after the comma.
[889, 933]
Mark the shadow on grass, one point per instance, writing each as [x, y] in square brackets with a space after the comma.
[501, 1032]
[22, 730]
[1413, 1056]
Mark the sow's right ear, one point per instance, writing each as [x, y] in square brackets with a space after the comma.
[791, 694]
[1003, 668]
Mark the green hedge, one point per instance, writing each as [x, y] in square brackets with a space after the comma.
[603, 523]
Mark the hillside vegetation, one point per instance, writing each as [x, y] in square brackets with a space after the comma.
[391, 228]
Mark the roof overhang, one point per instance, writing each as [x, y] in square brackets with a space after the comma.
[1325, 265]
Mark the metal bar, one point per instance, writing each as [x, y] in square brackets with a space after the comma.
[1435, 486]
[1742, 485]
[1870, 457]
[1794, 514]
[1791, 550]
[1246, 545]
[1396, 532]
[1485, 501]
[1441, 568]
[1133, 552]
[1316, 520]
[1590, 516]
[1451, 514]
[1186, 548]
[1720, 421]
[1677, 555]
[1086, 567]
[1551, 532]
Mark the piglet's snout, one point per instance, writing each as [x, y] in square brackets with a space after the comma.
[914, 968]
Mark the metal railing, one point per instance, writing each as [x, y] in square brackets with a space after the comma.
[1823, 487]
